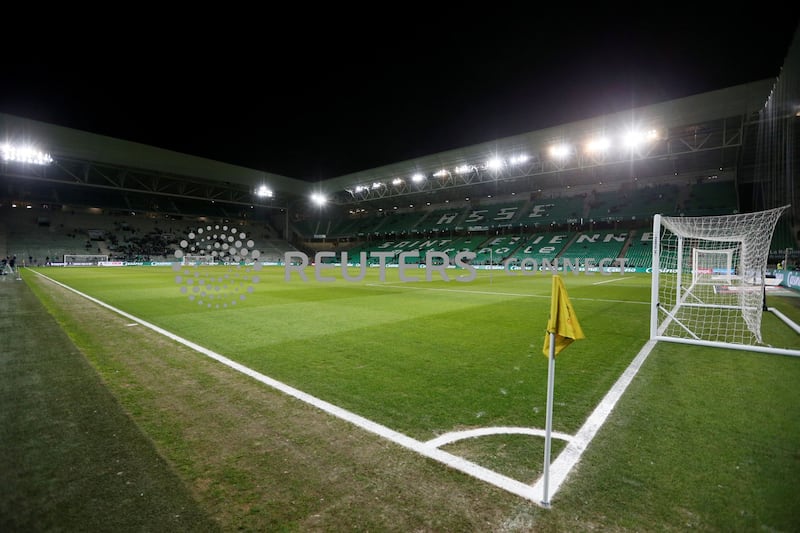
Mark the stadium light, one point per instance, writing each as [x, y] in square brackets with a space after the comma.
[635, 138]
[264, 192]
[397, 181]
[560, 151]
[519, 159]
[598, 145]
[418, 177]
[24, 154]
[318, 198]
[463, 169]
[494, 163]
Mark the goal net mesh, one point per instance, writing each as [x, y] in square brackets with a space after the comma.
[84, 259]
[710, 279]
[198, 259]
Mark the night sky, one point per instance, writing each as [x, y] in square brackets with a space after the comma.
[318, 99]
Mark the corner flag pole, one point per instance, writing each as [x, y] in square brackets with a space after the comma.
[562, 329]
[551, 372]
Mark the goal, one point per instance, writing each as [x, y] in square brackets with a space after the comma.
[712, 266]
[708, 281]
[202, 259]
[84, 260]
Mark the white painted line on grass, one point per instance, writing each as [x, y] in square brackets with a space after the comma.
[455, 436]
[129, 325]
[607, 281]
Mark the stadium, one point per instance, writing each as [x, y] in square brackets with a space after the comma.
[196, 346]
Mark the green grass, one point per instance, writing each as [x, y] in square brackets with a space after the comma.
[704, 438]
[73, 460]
[421, 358]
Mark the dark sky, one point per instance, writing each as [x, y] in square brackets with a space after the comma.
[318, 99]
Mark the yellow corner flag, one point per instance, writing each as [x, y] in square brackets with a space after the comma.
[563, 321]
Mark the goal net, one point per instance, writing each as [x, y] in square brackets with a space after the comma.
[194, 260]
[708, 278]
[84, 260]
[712, 266]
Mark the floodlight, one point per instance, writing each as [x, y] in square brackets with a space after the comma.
[416, 178]
[263, 192]
[24, 154]
[494, 163]
[463, 169]
[600, 144]
[519, 159]
[634, 138]
[318, 198]
[377, 185]
[397, 181]
[560, 150]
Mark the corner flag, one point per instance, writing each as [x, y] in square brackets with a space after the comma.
[562, 329]
[563, 321]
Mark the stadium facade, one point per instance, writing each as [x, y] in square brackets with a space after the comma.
[698, 155]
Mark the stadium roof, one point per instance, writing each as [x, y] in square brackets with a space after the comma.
[95, 160]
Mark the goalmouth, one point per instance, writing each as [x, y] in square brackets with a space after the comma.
[708, 281]
[84, 260]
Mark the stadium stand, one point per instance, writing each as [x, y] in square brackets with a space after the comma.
[542, 213]
[444, 220]
[632, 203]
[496, 249]
[541, 246]
[711, 197]
[493, 216]
[400, 223]
[639, 250]
[522, 207]
[595, 245]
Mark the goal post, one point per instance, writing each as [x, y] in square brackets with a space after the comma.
[84, 259]
[198, 259]
[708, 279]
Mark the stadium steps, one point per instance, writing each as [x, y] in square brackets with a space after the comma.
[627, 244]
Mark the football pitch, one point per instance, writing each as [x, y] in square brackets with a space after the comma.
[455, 366]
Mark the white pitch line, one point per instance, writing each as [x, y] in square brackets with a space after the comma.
[129, 325]
[608, 281]
[455, 436]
